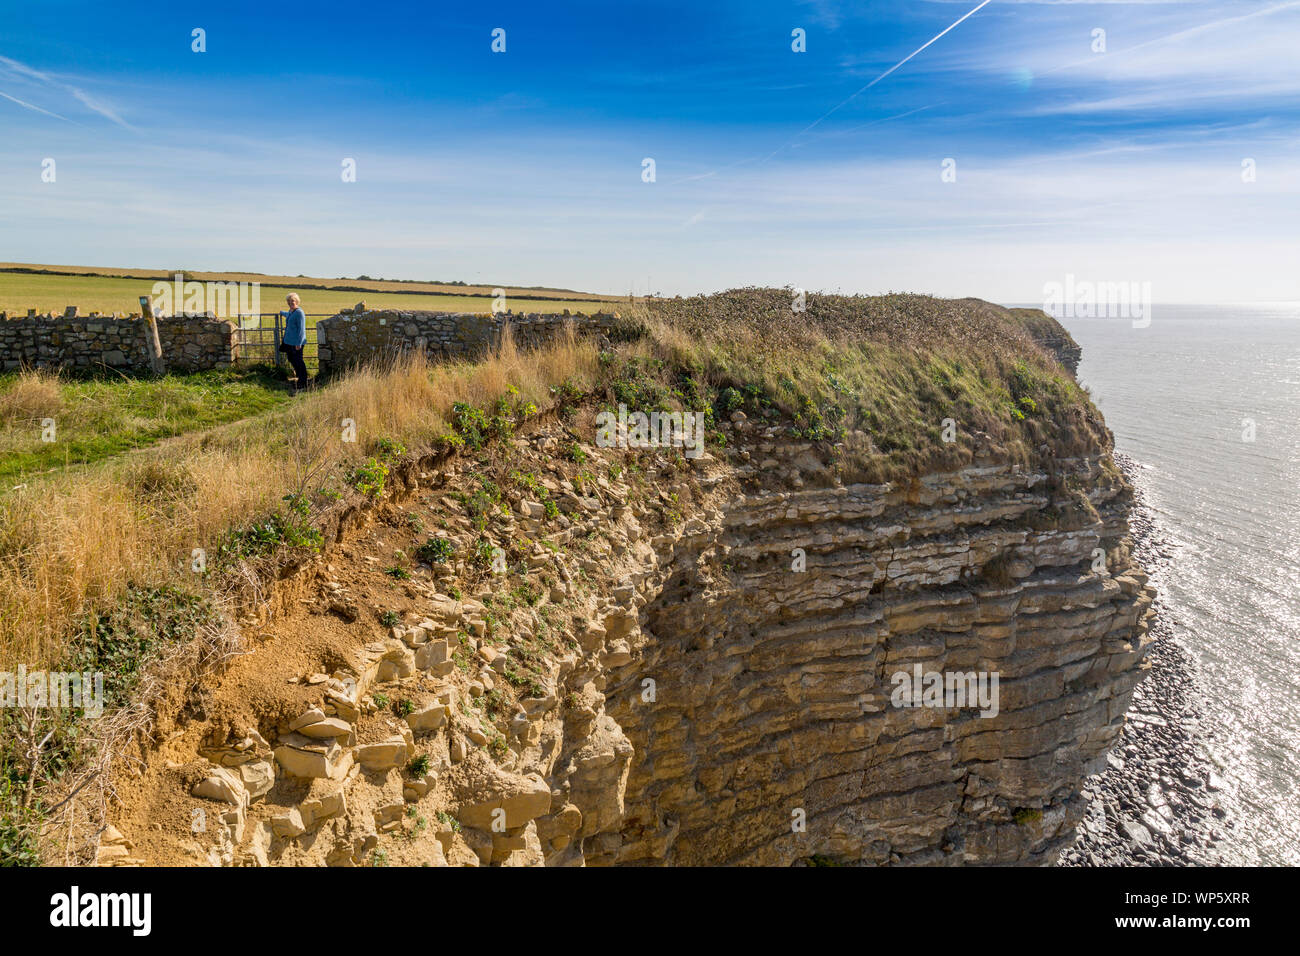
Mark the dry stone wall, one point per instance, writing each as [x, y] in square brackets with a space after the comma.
[196, 343]
[86, 343]
[355, 336]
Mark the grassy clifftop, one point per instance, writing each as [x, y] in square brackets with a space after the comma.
[895, 385]
[907, 383]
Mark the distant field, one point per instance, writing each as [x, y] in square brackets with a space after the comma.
[304, 282]
[53, 293]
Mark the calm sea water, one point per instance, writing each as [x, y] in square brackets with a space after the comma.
[1178, 395]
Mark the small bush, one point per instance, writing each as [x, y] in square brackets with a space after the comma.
[435, 551]
[369, 477]
[389, 450]
[291, 528]
[998, 571]
[419, 766]
[18, 828]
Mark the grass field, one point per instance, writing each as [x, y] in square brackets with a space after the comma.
[96, 419]
[314, 282]
[53, 293]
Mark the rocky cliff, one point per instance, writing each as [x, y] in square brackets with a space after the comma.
[688, 663]
[774, 691]
[890, 616]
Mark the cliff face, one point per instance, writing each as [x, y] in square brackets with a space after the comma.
[616, 657]
[1051, 335]
[774, 686]
[680, 692]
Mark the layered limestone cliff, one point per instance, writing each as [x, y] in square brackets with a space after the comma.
[774, 694]
[687, 662]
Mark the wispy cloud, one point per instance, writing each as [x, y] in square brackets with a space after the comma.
[1082, 3]
[824, 12]
[1242, 60]
[22, 69]
[97, 106]
[1119, 163]
[39, 78]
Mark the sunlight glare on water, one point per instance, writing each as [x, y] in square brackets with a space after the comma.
[1180, 395]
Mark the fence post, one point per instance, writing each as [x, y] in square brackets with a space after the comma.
[152, 342]
[279, 356]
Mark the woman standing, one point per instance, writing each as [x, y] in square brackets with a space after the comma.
[295, 337]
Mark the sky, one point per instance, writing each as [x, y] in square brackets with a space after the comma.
[953, 148]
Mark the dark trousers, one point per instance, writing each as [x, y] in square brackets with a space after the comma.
[299, 366]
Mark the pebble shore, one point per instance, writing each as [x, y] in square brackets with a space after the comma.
[1157, 803]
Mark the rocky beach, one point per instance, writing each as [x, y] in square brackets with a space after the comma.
[1158, 803]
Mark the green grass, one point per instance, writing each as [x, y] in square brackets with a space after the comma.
[101, 417]
[52, 293]
[879, 374]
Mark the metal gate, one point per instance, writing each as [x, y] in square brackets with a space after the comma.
[257, 340]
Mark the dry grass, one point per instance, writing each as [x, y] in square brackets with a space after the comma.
[73, 541]
[735, 321]
[882, 373]
[72, 826]
[877, 375]
[33, 395]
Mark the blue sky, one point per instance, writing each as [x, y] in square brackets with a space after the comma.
[525, 167]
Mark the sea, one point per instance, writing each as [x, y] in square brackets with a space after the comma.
[1206, 399]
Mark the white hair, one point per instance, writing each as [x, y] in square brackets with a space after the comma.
[293, 297]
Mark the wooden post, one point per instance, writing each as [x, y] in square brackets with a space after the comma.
[152, 342]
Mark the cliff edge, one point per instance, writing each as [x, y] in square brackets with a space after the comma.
[540, 647]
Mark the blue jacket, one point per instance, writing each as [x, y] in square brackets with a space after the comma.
[295, 328]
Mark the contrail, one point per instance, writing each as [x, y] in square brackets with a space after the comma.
[894, 67]
[764, 159]
[886, 119]
[36, 108]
